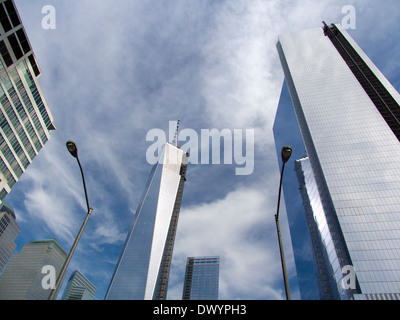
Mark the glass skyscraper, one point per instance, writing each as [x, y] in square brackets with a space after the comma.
[342, 190]
[25, 119]
[9, 231]
[201, 278]
[22, 277]
[79, 288]
[142, 271]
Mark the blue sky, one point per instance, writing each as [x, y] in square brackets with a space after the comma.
[113, 70]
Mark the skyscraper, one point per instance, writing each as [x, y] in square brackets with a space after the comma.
[344, 121]
[9, 231]
[142, 271]
[79, 288]
[201, 278]
[22, 278]
[25, 119]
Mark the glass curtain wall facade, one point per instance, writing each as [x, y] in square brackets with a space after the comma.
[287, 132]
[346, 115]
[142, 271]
[22, 277]
[79, 288]
[322, 284]
[201, 278]
[25, 119]
[9, 231]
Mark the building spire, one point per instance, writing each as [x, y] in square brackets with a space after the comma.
[175, 141]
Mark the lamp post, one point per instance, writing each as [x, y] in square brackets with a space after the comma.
[73, 149]
[285, 154]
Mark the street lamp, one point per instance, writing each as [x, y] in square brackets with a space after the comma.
[285, 155]
[73, 149]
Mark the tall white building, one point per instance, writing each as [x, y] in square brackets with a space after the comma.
[347, 131]
[142, 271]
[25, 119]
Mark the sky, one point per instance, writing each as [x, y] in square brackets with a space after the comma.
[114, 70]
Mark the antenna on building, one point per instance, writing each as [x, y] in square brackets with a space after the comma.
[175, 141]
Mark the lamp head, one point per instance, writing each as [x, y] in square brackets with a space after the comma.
[72, 148]
[286, 153]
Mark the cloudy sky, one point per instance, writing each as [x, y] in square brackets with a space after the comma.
[114, 70]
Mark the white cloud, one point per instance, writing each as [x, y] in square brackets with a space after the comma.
[109, 234]
[242, 76]
[54, 196]
[51, 210]
[238, 228]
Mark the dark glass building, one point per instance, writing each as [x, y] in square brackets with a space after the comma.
[9, 231]
[201, 278]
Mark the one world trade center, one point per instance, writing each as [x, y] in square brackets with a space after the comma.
[142, 270]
